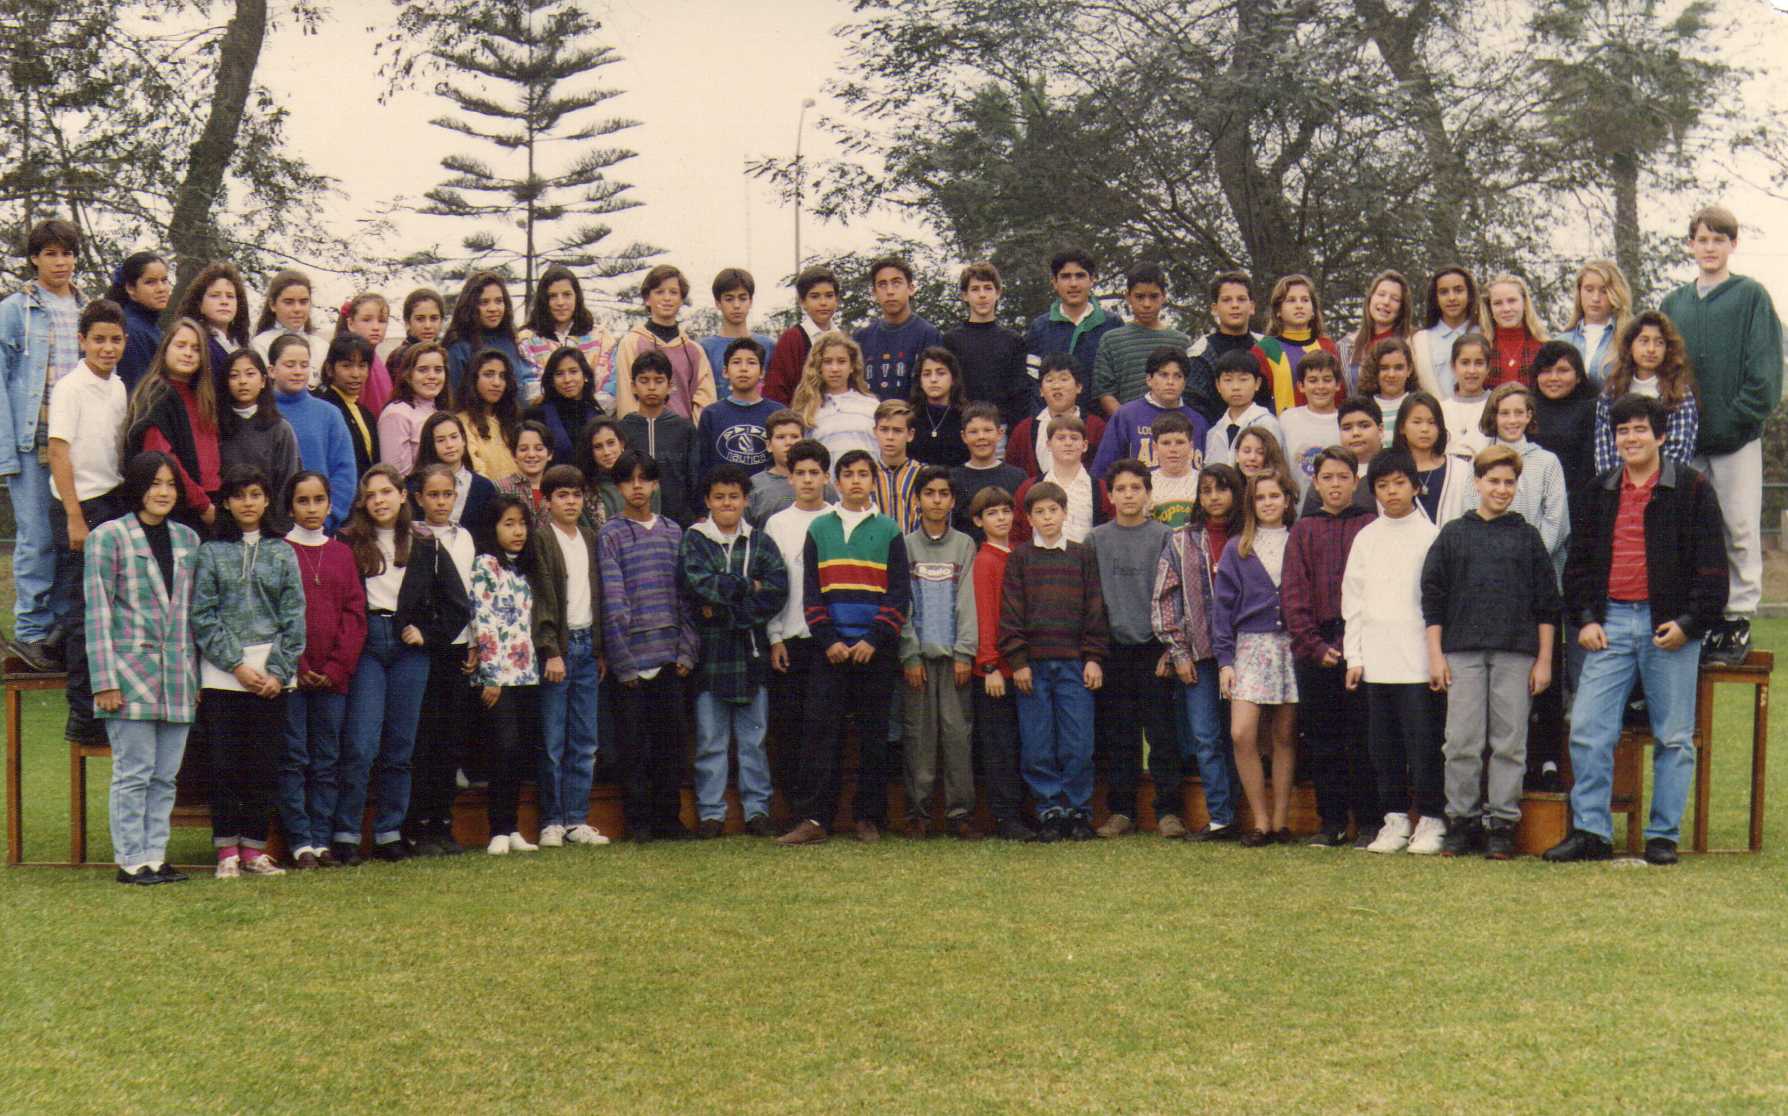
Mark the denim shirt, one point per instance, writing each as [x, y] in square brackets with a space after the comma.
[24, 364]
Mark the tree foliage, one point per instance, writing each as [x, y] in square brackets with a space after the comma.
[110, 116]
[517, 77]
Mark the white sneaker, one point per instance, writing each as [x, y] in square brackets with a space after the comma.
[499, 845]
[1429, 833]
[229, 868]
[552, 837]
[1393, 837]
[460, 780]
[518, 843]
[583, 835]
[261, 864]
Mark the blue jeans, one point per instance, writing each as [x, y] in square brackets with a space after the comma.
[384, 701]
[1607, 678]
[309, 772]
[1055, 731]
[33, 550]
[145, 759]
[717, 724]
[568, 729]
[1202, 723]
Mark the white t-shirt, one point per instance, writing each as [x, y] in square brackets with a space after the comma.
[578, 611]
[87, 411]
[1649, 388]
[381, 591]
[457, 542]
[1306, 435]
[1462, 417]
[788, 530]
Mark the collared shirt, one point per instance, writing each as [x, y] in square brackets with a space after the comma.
[1079, 523]
[85, 410]
[1626, 570]
[1060, 543]
[1440, 351]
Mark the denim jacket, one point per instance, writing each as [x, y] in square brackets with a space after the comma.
[24, 364]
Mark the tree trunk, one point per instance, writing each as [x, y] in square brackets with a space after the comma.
[1629, 243]
[192, 232]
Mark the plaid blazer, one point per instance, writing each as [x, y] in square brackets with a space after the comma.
[139, 636]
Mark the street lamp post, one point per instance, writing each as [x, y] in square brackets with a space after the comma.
[800, 176]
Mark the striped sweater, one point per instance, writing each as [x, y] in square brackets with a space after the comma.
[1052, 607]
[1124, 352]
[644, 623]
[855, 584]
[897, 492]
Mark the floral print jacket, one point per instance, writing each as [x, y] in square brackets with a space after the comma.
[502, 618]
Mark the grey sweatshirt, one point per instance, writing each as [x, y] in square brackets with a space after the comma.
[1127, 558]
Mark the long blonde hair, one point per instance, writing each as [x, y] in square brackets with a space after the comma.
[1529, 318]
[1251, 521]
[1620, 295]
[812, 390]
[156, 384]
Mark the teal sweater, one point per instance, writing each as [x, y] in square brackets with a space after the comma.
[1735, 346]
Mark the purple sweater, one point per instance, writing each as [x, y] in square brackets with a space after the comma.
[644, 623]
[1129, 433]
[1244, 599]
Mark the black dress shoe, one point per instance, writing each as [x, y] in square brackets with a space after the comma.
[1660, 851]
[170, 874]
[1079, 829]
[37, 655]
[641, 835]
[711, 828]
[347, 855]
[1049, 832]
[1579, 846]
[758, 825]
[1011, 829]
[447, 846]
[142, 877]
[1215, 833]
[391, 851]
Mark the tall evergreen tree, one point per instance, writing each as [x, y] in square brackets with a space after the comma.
[517, 75]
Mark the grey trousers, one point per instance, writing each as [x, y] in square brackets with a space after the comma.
[1487, 708]
[937, 722]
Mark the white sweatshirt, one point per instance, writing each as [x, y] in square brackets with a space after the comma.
[1381, 599]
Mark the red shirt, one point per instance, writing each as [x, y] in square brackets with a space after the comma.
[1515, 350]
[989, 576]
[1626, 571]
[1216, 532]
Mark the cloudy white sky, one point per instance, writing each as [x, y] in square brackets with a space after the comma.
[713, 83]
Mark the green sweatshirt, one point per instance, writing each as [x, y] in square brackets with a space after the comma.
[1735, 346]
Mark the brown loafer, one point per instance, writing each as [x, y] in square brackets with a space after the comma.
[917, 830]
[867, 832]
[966, 831]
[808, 832]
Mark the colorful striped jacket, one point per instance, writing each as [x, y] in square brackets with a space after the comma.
[897, 493]
[139, 635]
[1181, 615]
[855, 586]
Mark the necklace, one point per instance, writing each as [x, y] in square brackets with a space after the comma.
[935, 426]
[316, 572]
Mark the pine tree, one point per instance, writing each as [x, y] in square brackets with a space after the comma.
[539, 53]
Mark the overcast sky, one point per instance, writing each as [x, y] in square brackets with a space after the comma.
[713, 83]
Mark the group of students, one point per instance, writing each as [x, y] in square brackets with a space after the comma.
[393, 569]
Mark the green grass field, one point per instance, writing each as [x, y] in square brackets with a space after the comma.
[1126, 976]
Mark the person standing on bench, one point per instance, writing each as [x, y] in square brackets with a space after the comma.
[1646, 579]
[139, 580]
[248, 617]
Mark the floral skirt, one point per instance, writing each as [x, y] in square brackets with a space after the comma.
[1263, 668]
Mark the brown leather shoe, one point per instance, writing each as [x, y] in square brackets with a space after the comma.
[965, 831]
[808, 832]
[307, 861]
[917, 829]
[867, 832]
[1117, 825]
[1170, 827]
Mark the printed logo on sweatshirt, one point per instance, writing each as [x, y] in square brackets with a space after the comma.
[743, 444]
[934, 571]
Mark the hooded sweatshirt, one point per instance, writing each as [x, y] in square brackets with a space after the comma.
[732, 585]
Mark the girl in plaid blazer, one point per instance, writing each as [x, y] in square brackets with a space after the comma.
[139, 582]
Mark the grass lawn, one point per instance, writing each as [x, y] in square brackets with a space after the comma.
[1124, 976]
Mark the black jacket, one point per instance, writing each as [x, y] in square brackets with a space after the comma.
[431, 596]
[1489, 585]
[1685, 551]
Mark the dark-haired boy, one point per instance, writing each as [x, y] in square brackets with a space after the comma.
[734, 290]
[1054, 633]
[891, 345]
[1646, 578]
[1490, 601]
[816, 291]
[668, 438]
[1027, 444]
[1075, 322]
[1173, 486]
[39, 343]
[897, 475]
[1361, 424]
[1232, 308]
[1088, 502]
[992, 356]
[937, 652]
[1141, 699]
[733, 584]
[996, 711]
[86, 412]
[735, 430]
[981, 434]
[651, 647]
[1734, 342]
[1129, 433]
[1238, 380]
[1385, 646]
[568, 642]
[1121, 368]
[664, 290]
[856, 593]
[773, 490]
[792, 650]
[1334, 740]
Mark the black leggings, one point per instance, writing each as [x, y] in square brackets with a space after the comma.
[247, 735]
[509, 754]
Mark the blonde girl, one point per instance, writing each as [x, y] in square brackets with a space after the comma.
[1506, 316]
[833, 398]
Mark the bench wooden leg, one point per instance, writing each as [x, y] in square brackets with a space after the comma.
[1759, 754]
[1704, 716]
[15, 832]
[77, 805]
